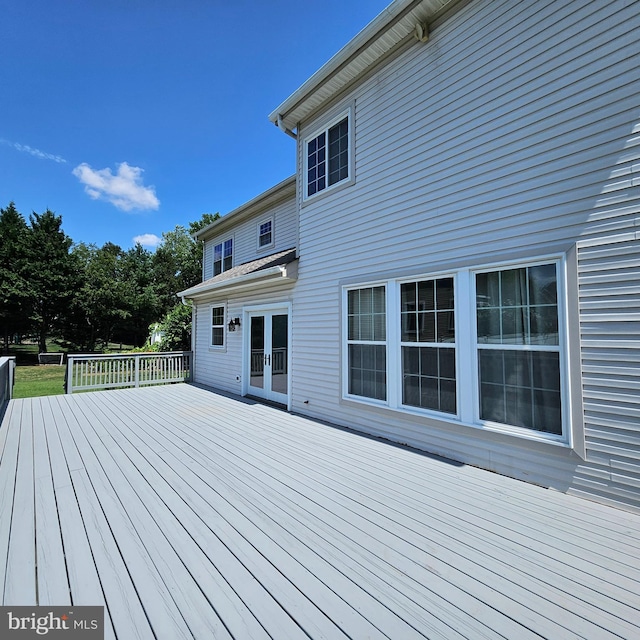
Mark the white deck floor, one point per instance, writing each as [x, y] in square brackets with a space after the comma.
[193, 515]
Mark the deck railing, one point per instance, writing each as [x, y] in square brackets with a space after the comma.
[126, 370]
[7, 367]
[278, 360]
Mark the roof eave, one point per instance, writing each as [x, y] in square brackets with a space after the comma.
[279, 273]
[274, 195]
[392, 26]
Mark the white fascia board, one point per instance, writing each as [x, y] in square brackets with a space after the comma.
[279, 272]
[393, 25]
[268, 198]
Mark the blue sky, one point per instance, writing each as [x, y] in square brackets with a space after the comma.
[128, 117]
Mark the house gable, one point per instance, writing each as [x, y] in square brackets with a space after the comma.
[241, 227]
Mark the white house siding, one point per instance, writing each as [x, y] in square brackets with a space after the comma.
[221, 368]
[514, 132]
[245, 236]
[609, 276]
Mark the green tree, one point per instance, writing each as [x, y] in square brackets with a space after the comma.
[51, 273]
[177, 329]
[175, 263]
[143, 301]
[78, 327]
[101, 304]
[178, 266]
[178, 261]
[15, 310]
[205, 221]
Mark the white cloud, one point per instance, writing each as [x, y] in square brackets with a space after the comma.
[34, 152]
[147, 240]
[124, 189]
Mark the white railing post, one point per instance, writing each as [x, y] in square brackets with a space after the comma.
[69, 379]
[7, 366]
[137, 374]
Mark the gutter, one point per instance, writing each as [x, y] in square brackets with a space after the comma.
[270, 197]
[284, 272]
[401, 20]
[284, 129]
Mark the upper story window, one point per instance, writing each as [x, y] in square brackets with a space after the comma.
[223, 257]
[328, 157]
[265, 234]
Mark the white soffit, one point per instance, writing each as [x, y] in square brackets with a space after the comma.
[391, 27]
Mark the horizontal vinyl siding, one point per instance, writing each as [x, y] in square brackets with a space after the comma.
[219, 368]
[514, 132]
[609, 285]
[245, 236]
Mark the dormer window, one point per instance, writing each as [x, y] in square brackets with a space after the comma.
[327, 157]
[223, 257]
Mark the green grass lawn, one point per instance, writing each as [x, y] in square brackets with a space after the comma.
[32, 379]
[38, 380]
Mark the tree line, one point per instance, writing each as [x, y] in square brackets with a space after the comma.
[88, 296]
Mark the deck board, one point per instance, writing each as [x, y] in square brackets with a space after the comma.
[120, 594]
[207, 471]
[10, 434]
[238, 538]
[52, 579]
[446, 561]
[85, 587]
[255, 492]
[190, 514]
[20, 580]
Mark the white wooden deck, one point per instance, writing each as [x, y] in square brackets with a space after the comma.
[193, 515]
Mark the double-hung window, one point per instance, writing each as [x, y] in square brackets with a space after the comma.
[222, 256]
[327, 156]
[217, 326]
[427, 320]
[366, 342]
[483, 347]
[519, 348]
[265, 234]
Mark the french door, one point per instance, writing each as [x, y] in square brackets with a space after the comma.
[268, 355]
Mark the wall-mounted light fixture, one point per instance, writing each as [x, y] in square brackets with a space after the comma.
[233, 323]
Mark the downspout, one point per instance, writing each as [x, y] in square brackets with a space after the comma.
[281, 125]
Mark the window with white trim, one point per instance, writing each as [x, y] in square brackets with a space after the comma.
[427, 320]
[217, 326]
[518, 347]
[327, 157]
[483, 347]
[366, 343]
[265, 233]
[222, 256]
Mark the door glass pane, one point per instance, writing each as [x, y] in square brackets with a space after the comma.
[279, 344]
[257, 352]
